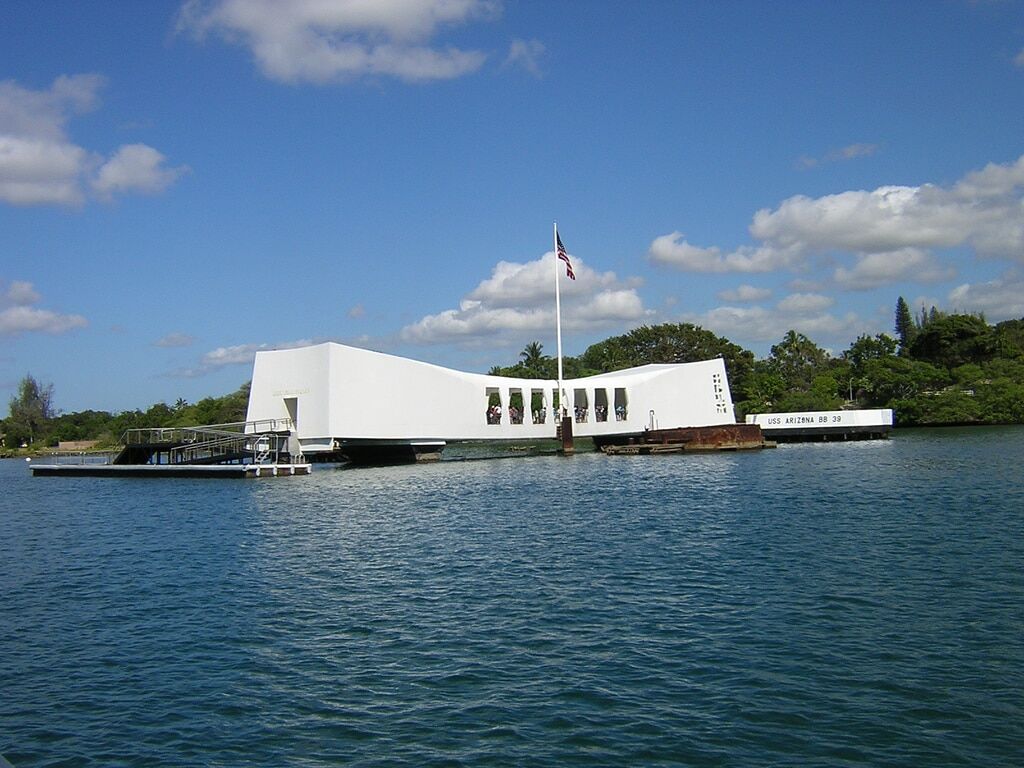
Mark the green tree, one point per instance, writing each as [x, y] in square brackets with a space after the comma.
[869, 348]
[798, 360]
[905, 328]
[889, 379]
[670, 343]
[534, 361]
[764, 388]
[1009, 339]
[30, 412]
[953, 340]
[820, 396]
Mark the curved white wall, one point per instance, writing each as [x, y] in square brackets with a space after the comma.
[343, 392]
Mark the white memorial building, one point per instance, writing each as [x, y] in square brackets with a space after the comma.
[351, 402]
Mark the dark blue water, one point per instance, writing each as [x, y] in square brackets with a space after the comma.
[843, 604]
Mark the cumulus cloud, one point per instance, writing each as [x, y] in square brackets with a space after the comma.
[319, 42]
[40, 165]
[806, 313]
[18, 315]
[873, 270]
[518, 299]
[674, 251]
[984, 211]
[744, 293]
[1001, 299]
[135, 168]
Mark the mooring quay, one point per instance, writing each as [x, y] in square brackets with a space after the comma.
[244, 450]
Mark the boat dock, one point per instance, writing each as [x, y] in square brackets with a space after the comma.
[240, 450]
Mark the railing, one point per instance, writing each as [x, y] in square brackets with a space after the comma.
[205, 433]
[264, 441]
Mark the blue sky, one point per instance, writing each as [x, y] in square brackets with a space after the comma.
[182, 184]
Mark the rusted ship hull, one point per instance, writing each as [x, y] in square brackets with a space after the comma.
[726, 437]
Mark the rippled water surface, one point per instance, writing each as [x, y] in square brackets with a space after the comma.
[842, 604]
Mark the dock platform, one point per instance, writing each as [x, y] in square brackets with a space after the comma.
[240, 450]
[170, 470]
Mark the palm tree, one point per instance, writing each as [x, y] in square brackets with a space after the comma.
[533, 357]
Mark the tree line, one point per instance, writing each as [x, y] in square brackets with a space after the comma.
[937, 368]
[33, 422]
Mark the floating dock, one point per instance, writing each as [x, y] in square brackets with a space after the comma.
[240, 450]
[170, 470]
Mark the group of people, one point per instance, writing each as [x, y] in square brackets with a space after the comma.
[515, 415]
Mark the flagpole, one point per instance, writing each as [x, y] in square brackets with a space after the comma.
[558, 324]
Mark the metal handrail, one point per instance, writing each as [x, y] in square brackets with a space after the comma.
[210, 448]
[145, 435]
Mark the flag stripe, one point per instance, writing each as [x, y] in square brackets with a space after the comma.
[564, 257]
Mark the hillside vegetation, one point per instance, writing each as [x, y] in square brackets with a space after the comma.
[938, 369]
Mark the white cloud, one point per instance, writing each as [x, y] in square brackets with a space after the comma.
[886, 219]
[42, 114]
[17, 315]
[672, 250]
[135, 167]
[238, 354]
[1001, 299]
[800, 304]
[848, 152]
[519, 298]
[172, 340]
[533, 284]
[744, 293]
[19, 294]
[1019, 58]
[983, 211]
[526, 54]
[40, 165]
[808, 313]
[40, 171]
[317, 41]
[873, 270]
[747, 325]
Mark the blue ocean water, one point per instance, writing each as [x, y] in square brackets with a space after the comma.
[840, 604]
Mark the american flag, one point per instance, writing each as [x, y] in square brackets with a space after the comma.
[564, 257]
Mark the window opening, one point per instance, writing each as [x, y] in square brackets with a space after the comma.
[582, 405]
[515, 406]
[620, 404]
[493, 396]
[538, 406]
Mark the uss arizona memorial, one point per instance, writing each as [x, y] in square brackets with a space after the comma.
[361, 405]
[331, 402]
